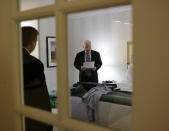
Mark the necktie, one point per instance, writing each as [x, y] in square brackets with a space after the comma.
[88, 71]
[87, 57]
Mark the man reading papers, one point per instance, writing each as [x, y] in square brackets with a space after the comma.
[88, 62]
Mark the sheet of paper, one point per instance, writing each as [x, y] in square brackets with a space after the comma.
[89, 64]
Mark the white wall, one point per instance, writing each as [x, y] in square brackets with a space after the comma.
[47, 28]
[109, 30]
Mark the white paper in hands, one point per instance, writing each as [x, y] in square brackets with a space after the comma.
[89, 64]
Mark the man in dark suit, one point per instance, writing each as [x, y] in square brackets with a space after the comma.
[35, 89]
[88, 55]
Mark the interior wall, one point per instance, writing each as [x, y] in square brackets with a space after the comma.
[109, 33]
[47, 28]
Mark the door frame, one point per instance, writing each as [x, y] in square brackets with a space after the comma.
[60, 10]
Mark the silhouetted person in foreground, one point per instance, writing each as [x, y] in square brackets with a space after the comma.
[35, 89]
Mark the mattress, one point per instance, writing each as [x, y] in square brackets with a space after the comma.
[109, 114]
[114, 109]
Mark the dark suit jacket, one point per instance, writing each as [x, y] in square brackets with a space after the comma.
[35, 90]
[80, 59]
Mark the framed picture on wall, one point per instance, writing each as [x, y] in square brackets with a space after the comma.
[51, 51]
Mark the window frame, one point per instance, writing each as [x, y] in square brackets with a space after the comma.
[60, 10]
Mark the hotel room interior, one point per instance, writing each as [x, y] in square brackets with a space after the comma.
[110, 31]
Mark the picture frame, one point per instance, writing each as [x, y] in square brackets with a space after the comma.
[51, 51]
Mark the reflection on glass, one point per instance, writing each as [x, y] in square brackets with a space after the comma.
[102, 96]
[39, 80]
[31, 4]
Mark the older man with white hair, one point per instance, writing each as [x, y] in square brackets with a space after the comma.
[88, 55]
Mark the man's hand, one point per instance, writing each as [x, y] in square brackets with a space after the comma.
[94, 68]
[83, 68]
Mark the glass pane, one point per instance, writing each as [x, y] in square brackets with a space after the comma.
[100, 73]
[39, 126]
[30, 4]
[33, 23]
[39, 63]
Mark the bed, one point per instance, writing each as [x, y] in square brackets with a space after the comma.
[113, 109]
